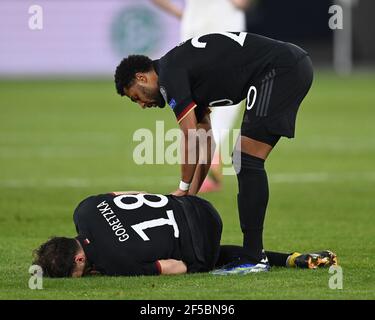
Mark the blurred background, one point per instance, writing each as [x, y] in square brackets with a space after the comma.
[84, 37]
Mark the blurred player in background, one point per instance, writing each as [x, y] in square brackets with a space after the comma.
[202, 17]
[132, 233]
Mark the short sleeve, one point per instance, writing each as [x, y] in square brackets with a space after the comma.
[175, 86]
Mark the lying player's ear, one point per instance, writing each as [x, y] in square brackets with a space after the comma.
[141, 77]
[80, 258]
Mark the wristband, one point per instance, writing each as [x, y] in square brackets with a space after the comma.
[184, 186]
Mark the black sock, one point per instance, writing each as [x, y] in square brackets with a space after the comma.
[277, 259]
[252, 201]
[230, 254]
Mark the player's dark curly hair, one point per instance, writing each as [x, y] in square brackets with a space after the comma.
[126, 70]
[56, 257]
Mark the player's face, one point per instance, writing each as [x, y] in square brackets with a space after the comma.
[145, 91]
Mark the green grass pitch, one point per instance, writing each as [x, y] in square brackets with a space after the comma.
[61, 141]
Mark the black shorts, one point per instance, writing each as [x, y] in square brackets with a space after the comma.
[279, 93]
[205, 227]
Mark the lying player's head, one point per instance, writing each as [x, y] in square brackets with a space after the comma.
[61, 257]
[136, 78]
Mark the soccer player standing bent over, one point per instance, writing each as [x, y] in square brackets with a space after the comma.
[223, 69]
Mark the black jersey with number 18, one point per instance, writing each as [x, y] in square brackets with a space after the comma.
[126, 234]
[217, 69]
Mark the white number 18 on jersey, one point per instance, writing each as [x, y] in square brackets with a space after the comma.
[141, 200]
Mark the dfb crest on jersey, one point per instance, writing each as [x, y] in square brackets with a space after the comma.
[172, 103]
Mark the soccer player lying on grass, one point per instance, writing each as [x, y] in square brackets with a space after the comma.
[133, 233]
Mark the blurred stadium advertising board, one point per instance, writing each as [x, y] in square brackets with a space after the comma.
[81, 37]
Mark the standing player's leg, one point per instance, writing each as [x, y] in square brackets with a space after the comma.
[253, 192]
[273, 115]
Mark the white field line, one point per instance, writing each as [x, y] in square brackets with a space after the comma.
[85, 183]
[308, 177]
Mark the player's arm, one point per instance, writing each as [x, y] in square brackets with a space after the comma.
[171, 266]
[206, 148]
[169, 7]
[189, 150]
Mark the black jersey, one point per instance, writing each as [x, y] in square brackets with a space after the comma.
[216, 69]
[128, 234]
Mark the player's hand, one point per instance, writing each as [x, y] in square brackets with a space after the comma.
[180, 193]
